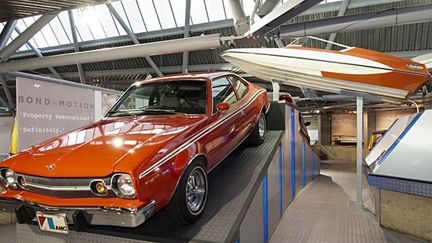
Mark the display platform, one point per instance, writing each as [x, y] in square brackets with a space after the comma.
[232, 188]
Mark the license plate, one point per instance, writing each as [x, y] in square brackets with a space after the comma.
[53, 223]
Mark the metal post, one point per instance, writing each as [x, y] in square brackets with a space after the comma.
[133, 37]
[16, 44]
[359, 173]
[6, 33]
[276, 89]
[76, 46]
[279, 43]
[7, 92]
[186, 35]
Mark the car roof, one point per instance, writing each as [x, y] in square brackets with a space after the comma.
[192, 76]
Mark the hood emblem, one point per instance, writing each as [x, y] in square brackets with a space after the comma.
[51, 166]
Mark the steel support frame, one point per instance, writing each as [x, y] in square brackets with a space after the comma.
[359, 162]
[116, 53]
[279, 16]
[7, 92]
[139, 71]
[6, 33]
[39, 54]
[133, 37]
[76, 45]
[186, 35]
[354, 22]
[342, 10]
[92, 44]
[28, 33]
[241, 23]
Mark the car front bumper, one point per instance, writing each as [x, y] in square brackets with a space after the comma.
[81, 217]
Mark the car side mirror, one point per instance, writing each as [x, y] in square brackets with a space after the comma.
[222, 107]
[307, 124]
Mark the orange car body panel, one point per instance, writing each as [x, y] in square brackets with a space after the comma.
[147, 140]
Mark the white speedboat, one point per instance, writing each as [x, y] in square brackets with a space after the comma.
[350, 69]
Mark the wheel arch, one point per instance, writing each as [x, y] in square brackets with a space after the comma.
[199, 156]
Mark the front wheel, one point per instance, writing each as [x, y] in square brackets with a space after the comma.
[258, 134]
[190, 197]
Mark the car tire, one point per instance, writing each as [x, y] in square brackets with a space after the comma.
[189, 199]
[258, 134]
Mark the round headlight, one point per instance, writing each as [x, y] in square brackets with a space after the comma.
[123, 186]
[9, 178]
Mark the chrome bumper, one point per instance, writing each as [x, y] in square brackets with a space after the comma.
[81, 216]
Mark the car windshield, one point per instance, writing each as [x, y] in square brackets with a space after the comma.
[162, 98]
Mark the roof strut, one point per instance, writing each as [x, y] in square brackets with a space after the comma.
[28, 33]
[76, 45]
[186, 35]
[38, 53]
[133, 37]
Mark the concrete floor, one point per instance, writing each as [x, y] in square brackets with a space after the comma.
[325, 211]
[7, 233]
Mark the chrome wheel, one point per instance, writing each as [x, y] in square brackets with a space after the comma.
[196, 190]
[261, 126]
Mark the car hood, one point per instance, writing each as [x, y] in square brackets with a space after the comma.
[98, 149]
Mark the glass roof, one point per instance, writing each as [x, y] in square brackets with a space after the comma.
[96, 22]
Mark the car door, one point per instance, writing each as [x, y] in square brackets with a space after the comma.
[222, 140]
[248, 118]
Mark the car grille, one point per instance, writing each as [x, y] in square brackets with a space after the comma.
[66, 182]
[62, 187]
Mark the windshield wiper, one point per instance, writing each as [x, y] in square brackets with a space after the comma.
[120, 113]
[164, 110]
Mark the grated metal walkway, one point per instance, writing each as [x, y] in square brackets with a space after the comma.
[325, 211]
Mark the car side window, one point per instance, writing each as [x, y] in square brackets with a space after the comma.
[222, 92]
[239, 86]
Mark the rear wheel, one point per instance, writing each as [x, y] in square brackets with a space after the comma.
[190, 197]
[258, 134]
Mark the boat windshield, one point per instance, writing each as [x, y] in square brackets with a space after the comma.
[302, 41]
[162, 98]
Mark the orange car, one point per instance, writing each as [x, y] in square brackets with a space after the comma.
[153, 150]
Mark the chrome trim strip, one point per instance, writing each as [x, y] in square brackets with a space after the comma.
[58, 188]
[199, 135]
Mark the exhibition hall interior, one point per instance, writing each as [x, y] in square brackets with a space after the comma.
[247, 121]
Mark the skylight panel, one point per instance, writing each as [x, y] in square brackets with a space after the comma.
[59, 31]
[165, 15]
[50, 38]
[21, 25]
[179, 7]
[107, 21]
[248, 6]
[215, 10]
[149, 15]
[134, 16]
[38, 37]
[64, 21]
[90, 17]
[228, 9]
[81, 25]
[198, 12]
